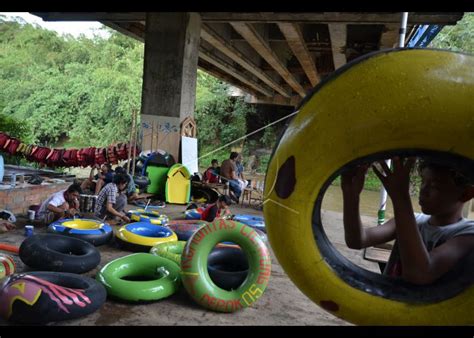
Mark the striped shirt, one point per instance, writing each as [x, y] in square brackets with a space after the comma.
[107, 195]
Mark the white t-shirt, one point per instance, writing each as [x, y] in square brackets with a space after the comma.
[432, 236]
[55, 200]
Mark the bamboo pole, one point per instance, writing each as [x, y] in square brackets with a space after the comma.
[383, 192]
[130, 145]
[134, 140]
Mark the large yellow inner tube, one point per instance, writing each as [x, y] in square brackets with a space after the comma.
[388, 101]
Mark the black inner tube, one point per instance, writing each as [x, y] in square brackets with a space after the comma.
[54, 252]
[227, 267]
[89, 295]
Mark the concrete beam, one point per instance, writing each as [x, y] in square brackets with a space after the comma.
[133, 30]
[294, 37]
[389, 37]
[338, 36]
[228, 68]
[210, 69]
[277, 99]
[225, 47]
[92, 16]
[250, 34]
[443, 18]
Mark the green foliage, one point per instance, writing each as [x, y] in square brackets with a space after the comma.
[264, 160]
[220, 118]
[372, 182]
[14, 128]
[269, 137]
[459, 37]
[69, 88]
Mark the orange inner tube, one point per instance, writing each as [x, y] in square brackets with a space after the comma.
[9, 248]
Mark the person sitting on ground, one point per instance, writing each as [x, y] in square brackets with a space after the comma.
[229, 173]
[240, 172]
[111, 201]
[95, 183]
[131, 190]
[211, 175]
[220, 209]
[428, 244]
[62, 204]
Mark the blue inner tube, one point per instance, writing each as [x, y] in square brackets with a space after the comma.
[185, 229]
[150, 216]
[192, 214]
[251, 220]
[98, 234]
[148, 230]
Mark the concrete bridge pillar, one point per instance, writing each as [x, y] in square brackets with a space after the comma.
[169, 77]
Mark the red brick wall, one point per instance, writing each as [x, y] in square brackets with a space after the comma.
[19, 199]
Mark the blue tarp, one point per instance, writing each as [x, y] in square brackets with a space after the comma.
[423, 35]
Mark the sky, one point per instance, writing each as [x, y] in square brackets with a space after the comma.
[75, 28]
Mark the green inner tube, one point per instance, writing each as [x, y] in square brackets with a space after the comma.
[195, 275]
[170, 250]
[140, 277]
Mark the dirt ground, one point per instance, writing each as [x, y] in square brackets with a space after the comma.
[281, 304]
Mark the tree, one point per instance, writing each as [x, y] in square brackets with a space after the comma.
[76, 89]
[459, 37]
[220, 118]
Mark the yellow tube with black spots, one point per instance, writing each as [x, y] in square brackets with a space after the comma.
[397, 100]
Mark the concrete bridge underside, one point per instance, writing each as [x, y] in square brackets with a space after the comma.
[275, 58]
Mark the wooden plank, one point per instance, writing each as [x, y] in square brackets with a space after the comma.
[338, 34]
[294, 37]
[228, 68]
[377, 254]
[258, 43]
[225, 47]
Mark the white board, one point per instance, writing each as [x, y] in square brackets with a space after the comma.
[189, 153]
